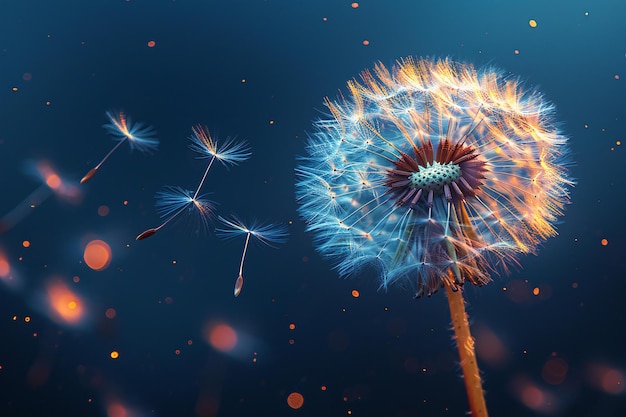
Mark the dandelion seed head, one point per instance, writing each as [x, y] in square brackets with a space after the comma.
[433, 171]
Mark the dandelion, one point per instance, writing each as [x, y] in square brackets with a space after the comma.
[123, 130]
[435, 174]
[267, 234]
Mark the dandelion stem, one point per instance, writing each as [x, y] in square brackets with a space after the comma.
[243, 256]
[465, 344]
[206, 171]
[119, 143]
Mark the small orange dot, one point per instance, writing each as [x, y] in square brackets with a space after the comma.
[604, 242]
[355, 5]
[356, 293]
[536, 291]
[125, 202]
[26, 243]
[27, 319]
[14, 89]
[323, 388]
[151, 44]
[292, 326]
[366, 42]
[291, 341]
[76, 279]
[177, 351]
[271, 122]
[190, 342]
[532, 23]
[115, 354]
[103, 210]
[516, 52]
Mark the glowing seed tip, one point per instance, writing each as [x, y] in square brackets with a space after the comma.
[146, 234]
[238, 286]
[88, 175]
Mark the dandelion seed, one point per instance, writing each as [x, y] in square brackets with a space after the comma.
[122, 130]
[267, 234]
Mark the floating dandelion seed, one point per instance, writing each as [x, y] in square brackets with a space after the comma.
[176, 200]
[122, 129]
[435, 173]
[173, 201]
[267, 234]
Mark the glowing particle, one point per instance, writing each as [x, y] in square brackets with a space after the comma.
[76, 279]
[115, 354]
[355, 5]
[516, 52]
[616, 76]
[26, 243]
[110, 313]
[5, 268]
[532, 23]
[14, 89]
[295, 400]
[554, 371]
[323, 388]
[618, 143]
[574, 285]
[222, 337]
[291, 341]
[325, 19]
[604, 242]
[366, 42]
[48, 103]
[65, 305]
[53, 181]
[271, 122]
[27, 319]
[103, 210]
[151, 44]
[125, 202]
[190, 342]
[292, 326]
[177, 351]
[97, 255]
[356, 293]
[243, 81]
[536, 291]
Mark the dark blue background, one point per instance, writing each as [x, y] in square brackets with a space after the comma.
[90, 56]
